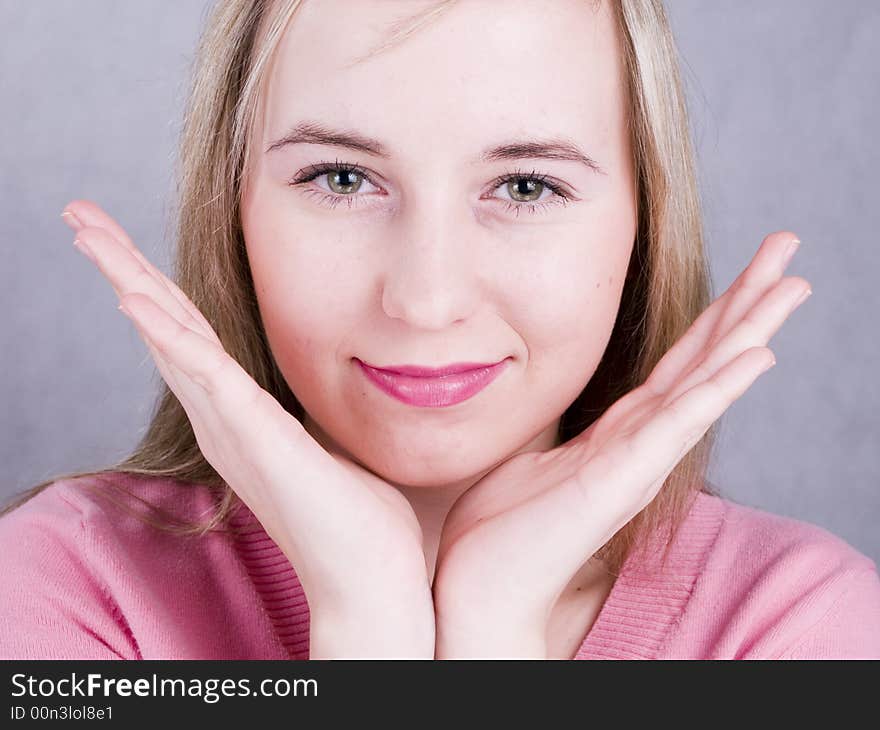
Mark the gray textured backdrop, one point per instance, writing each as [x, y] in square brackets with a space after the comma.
[784, 96]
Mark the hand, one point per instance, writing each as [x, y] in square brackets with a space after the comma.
[515, 539]
[353, 539]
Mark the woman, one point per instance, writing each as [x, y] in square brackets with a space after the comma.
[508, 196]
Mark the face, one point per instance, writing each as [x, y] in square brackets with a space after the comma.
[419, 247]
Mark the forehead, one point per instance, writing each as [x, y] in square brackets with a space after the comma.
[482, 67]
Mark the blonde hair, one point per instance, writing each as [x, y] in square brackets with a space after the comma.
[667, 287]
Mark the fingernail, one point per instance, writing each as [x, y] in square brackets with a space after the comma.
[790, 251]
[802, 299]
[83, 249]
[71, 220]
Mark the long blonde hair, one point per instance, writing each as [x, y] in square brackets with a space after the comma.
[667, 287]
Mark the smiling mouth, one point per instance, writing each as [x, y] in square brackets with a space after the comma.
[424, 371]
[433, 387]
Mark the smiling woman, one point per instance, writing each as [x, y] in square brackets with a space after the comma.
[458, 395]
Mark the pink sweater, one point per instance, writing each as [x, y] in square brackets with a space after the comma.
[83, 580]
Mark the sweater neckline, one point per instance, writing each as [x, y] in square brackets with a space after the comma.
[647, 599]
[644, 604]
[277, 585]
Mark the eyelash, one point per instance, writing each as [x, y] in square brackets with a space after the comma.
[561, 195]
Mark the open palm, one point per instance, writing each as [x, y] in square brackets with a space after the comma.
[514, 540]
[353, 539]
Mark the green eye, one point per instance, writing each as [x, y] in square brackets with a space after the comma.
[352, 184]
[345, 180]
[531, 185]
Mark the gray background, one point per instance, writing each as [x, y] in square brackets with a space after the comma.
[785, 98]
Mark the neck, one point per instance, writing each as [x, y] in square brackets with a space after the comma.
[431, 505]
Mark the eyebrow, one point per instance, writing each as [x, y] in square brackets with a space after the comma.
[555, 148]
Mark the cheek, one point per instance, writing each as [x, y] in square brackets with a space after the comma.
[569, 301]
[308, 300]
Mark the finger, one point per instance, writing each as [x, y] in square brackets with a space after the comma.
[210, 385]
[127, 275]
[203, 361]
[215, 413]
[585, 512]
[245, 434]
[196, 369]
[640, 461]
[89, 215]
[755, 329]
[173, 376]
[193, 360]
[756, 280]
[763, 272]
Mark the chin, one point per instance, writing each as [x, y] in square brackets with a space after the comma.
[426, 467]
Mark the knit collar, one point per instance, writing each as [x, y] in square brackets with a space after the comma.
[647, 599]
[644, 604]
[276, 583]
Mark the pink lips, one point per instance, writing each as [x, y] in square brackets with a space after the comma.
[433, 387]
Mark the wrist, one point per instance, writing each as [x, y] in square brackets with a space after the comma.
[490, 637]
[366, 633]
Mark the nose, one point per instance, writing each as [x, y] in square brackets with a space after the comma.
[430, 281]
